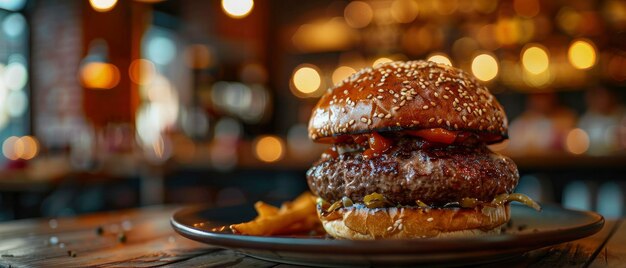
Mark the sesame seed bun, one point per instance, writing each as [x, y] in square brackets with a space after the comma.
[408, 95]
[362, 223]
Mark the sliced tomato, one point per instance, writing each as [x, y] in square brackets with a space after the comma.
[439, 135]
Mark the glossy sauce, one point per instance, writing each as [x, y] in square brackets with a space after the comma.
[377, 144]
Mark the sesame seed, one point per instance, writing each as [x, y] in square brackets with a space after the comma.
[431, 120]
[433, 103]
[381, 115]
[379, 97]
[447, 123]
[439, 121]
[381, 90]
[388, 116]
[436, 94]
[345, 91]
[351, 122]
[409, 98]
[469, 110]
[446, 97]
[425, 107]
[464, 119]
[363, 119]
[395, 108]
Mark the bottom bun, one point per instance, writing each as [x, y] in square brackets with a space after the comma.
[361, 223]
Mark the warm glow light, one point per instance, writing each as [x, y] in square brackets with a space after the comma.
[141, 71]
[306, 79]
[440, 58]
[341, 73]
[577, 141]
[535, 59]
[582, 54]
[102, 5]
[31, 147]
[485, 67]
[237, 8]
[99, 75]
[404, 11]
[358, 14]
[13, 148]
[381, 61]
[269, 149]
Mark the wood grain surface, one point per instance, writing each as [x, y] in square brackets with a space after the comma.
[144, 238]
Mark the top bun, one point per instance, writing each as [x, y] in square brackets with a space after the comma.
[407, 95]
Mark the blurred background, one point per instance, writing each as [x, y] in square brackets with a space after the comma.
[108, 104]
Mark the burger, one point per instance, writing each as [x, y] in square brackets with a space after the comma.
[408, 155]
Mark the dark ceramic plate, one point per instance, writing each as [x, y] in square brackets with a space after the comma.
[531, 230]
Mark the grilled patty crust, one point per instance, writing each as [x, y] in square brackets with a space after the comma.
[414, 169]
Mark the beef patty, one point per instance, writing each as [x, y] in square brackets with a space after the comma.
[414, 169]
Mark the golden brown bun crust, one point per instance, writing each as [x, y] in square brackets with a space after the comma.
[362, 223]
[407, 95]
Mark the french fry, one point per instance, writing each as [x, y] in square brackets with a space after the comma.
[296, 216]
[265, 209]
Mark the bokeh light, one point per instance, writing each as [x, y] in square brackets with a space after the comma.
[99, 75]
[15, 75]
[237, 8]
[341, 73]
[142, 71]
[269, 148]
[13, 5]
[306, 79]
[569, 20]
[582, 54]
[380, 61]
[14, 25]
[13, 148]
[535, 59]
[440, 58]
[31, 147]
[577, 141]
[161, 50]
[404, 11]
[485, 67]
[102, 5]
[17, 103]
[358, 14]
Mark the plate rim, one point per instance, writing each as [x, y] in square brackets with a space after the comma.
[392, 246]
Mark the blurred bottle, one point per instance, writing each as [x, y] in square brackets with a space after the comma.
[602, 120]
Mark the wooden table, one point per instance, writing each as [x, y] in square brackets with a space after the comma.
[143, 238]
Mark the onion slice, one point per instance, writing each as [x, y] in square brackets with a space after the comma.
[521, 198]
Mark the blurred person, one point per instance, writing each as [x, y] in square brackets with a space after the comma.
[542, 127]
[602, 119]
